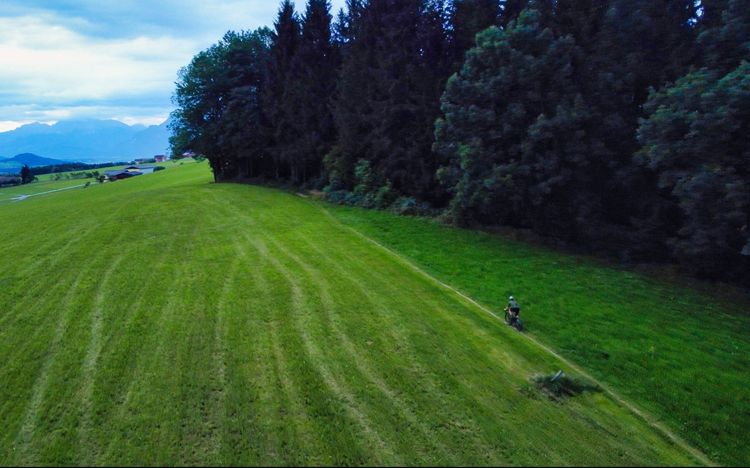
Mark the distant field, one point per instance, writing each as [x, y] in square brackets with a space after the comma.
[168, 320]
[47, 177]
[46, 183]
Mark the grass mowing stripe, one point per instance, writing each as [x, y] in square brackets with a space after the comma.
[69, 353]
[314, 355]
[113, 395]
[411, 416]
[294, 429]
[44, 263]
[93, 351]
[649, 419]
[26, 432]
[219, 357]
[435, 393]
[141, 411]
[241, 335]
[359, 361]
[365, 373]
[328, 308]
[63, 311]
[300, 420]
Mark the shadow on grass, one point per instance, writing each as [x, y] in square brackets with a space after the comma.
[559, 387]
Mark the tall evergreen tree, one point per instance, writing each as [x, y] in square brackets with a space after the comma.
[511, 131]
[385, 102]
[629, 47]
[469, 17]
[696, 140]
[26, 176]
[723, 44]
[245, 128]
[307, 92]
[510, 9]
[280, 112]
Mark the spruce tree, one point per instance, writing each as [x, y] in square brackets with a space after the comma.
[510, 9]
[725, 43]
[26, 176]
[469, 17]
[392, 72]
[696, 140]
[280, 112]
[307, 92]
[511, 131]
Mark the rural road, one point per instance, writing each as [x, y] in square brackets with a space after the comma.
[24, 197]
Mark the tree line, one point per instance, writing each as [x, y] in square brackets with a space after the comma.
[622, 125]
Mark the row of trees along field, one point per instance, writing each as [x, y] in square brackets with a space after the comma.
[623, 125]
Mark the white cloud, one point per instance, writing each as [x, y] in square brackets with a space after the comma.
[119, 59]
[44, 62]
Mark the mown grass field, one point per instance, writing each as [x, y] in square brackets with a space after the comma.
[168, 320]
[681, 353]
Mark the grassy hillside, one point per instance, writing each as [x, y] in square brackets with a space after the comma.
[683, 354]
[168, 320]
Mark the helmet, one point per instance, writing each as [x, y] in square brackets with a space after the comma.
[511, 298]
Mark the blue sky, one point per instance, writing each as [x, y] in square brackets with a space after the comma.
[66, 59]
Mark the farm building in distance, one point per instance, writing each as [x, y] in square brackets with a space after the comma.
[142, 169]
[160, 158]
[121, 174]
[131, 171]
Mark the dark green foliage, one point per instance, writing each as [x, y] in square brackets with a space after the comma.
[392, 73]
[511, 9]
[468, 17]
[26, 176]
[725, 42]
[307, 93]
[539, 126]
[40, 170]
[509, 115]
[279, 108]
[219, 110]
[697, 140]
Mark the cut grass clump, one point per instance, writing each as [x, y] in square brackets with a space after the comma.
[559, 386]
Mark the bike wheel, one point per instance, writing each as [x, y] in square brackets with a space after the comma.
[508, 320]
[519, 324]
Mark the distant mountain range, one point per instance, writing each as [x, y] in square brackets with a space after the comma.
[87, 141]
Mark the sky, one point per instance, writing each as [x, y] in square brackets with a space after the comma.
[73, 59]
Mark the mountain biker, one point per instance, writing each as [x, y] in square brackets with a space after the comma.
[513, 307]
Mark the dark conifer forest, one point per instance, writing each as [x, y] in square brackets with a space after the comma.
[621, 126]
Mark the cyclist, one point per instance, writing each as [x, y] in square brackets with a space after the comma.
[513, 307]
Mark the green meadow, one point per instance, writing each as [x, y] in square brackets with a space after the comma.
[166, 319]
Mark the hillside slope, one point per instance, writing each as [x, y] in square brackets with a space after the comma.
[31, 160]
[681, 352]
[169, 320]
